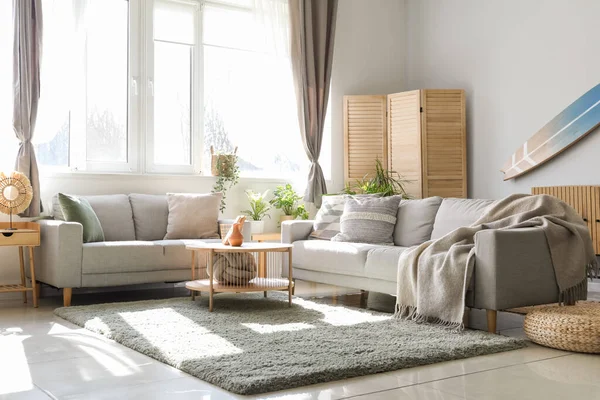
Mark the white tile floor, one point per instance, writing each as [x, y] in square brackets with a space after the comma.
[45, 357]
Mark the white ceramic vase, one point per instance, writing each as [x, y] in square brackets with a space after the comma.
[257, 226]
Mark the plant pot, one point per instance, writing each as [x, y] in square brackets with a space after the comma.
[257, 226]
[226, 162]
[285, 218]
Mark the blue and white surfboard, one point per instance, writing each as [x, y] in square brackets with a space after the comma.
[566, 129]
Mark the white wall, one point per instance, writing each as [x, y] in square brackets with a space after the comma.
[368, 59]
[521, 63]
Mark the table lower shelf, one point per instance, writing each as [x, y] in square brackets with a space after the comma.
[255, 285]
[14, 288]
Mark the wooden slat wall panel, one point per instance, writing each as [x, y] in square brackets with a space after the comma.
[404, 139]
[365, 138]
[585, 200]
[594, 208]
[444, 151]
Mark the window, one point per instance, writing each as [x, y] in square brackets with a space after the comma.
[249, 98]
[83, 113]
[172, 76]
[152, 85]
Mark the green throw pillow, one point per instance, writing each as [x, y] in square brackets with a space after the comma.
[77, 209]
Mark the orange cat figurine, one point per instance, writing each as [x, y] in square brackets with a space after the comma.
[235, 237]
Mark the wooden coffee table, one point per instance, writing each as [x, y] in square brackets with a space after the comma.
[268, 277]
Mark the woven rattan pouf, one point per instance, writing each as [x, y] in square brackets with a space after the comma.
[572, 328]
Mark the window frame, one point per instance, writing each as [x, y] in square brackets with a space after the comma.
[196, 117]
[78, 153]
[140, 102]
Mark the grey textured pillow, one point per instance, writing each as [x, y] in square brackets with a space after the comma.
[369, 220]
[327, 221]
[193, 216]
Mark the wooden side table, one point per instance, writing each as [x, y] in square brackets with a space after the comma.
[265, 237]
[27, 235]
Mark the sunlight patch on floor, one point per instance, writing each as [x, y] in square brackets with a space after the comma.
[340, 316]
[268, 328]
[172, 324]
[14, 373]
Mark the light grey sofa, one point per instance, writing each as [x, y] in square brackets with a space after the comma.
[512, 267]
[134, 251]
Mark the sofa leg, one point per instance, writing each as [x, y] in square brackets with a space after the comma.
[363, 298]
[67, 293]
[491, 320]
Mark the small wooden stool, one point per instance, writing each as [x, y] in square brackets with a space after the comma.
[572, 328]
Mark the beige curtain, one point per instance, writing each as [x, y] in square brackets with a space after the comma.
[312, 25]
[27, 17]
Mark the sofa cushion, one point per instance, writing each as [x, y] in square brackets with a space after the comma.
[79, 210]
[414, 221]
[335, 257]
[369, 220]
[193, 215]
[150, 215]
[114, 213]
[382, 262]
[455, 213]
[122, 256]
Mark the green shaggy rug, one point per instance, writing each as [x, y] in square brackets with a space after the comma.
[252, 345]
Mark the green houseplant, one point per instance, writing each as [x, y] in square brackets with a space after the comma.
[300, 212]
[227, 172]
[383, 181]
[286, 199]
[259, 209]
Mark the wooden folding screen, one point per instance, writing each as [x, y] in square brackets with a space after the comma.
[425, 139]
[365, 137]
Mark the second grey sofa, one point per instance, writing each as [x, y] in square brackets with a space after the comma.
[513, 268]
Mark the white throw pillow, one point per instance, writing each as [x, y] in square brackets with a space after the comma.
[327, 220]
[193, 216]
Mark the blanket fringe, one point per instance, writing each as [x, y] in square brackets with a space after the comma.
[405, 312]
[569, 297]
[409, 313]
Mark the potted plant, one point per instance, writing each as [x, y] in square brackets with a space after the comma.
[227, 171]
[286, 199]
[259, 208]
[386, 182]
[300, 212]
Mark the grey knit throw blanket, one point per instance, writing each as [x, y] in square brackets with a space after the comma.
[433, 277]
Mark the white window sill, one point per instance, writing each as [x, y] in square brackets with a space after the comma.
[86, 175]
